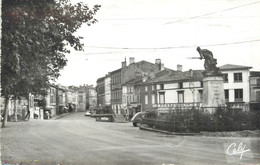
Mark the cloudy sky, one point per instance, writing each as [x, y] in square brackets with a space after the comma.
[166, 29]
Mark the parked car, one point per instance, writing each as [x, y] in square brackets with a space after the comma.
[88, 113]
[137, 118]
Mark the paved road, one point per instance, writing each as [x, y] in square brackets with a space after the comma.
[76, 139]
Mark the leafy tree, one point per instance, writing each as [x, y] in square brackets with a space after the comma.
[36, 34]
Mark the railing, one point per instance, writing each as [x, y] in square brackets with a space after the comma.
[177, 105]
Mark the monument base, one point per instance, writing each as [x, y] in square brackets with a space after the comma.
[213, 92]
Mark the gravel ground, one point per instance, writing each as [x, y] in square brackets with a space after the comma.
[11, 132]
[81, 140]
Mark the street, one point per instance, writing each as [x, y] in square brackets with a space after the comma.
[76, 139]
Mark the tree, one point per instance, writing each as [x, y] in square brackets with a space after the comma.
[34, 42]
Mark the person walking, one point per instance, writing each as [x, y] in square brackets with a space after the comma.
[27, 117]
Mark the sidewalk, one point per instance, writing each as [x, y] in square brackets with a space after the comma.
[60, 116]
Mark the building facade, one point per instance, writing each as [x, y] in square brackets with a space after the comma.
[236, 85]
[116, 91]
[254, 91]
[108, 90]
[100, 88]
[173, 90]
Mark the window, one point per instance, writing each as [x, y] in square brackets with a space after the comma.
[161, 97]
[180, 96]
[81, 99]
[131, 98]
[201, 84]
[138, 98]
[226, 95]
[200, 95]
[258, 82]
[238, 95]
[161, 86]
[180, 85]
[132, 89]
[238, 77]
[257, 94]
[153, 98]
[225, 77]
[153, 87]
[146, 88]
[146, 99]
[52, 99]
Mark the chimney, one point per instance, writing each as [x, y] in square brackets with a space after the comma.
[123, 64]
[162, 66]
[179, 68]
[131, 60]
[158, 61]
[191, 73]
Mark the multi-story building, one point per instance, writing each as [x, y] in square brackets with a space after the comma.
[236, 85]
[135, 70]
[92, 98]
[72, 98]
[108, 90]
[86, 97]
[116, 91]
[254, 91]
[51, 99]
[100, 88]
[176, 89]
[60, 99]
[131, 97]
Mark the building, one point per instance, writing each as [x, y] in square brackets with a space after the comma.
[92, 98]
[131, 97]
[51, 99]
[86, 97]
[116, 91]
[127, 73]
[60, 99]
[72, 98]
[108, 90]
[254, 91]
[100, 88]
[236, 85]
[176, 89]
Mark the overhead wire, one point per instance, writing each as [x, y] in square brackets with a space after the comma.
[174, 47]
[215, 12]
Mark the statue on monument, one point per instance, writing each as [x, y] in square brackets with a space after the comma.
[210, 63]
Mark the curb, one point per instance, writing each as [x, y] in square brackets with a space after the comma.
[166, 132]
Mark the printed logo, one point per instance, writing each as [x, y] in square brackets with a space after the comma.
[237, 151]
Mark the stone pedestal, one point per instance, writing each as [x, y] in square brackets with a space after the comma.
[213, 92]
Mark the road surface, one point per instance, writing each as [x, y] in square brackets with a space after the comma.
[76, 139]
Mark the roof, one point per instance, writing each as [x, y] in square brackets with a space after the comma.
[115, 71]
[255, 74]
[191, 75]
[100, 79]
[233, 67]
[165, 72]
[134, 81]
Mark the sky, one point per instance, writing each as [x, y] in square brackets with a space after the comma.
[169, 30]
